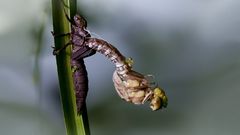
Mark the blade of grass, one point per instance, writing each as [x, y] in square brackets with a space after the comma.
[75, 124]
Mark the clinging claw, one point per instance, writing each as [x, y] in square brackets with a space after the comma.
[53, 34]
[55, 51]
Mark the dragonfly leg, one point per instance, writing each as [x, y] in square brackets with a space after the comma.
[60, 35]
[57, 51]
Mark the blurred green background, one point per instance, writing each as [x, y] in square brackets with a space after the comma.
[191, 47]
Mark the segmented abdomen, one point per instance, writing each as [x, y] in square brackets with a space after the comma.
[80, 82]
[110, 52]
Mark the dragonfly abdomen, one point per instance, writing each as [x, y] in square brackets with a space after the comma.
[80, 82]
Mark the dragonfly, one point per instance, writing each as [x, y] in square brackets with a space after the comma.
[130, 85]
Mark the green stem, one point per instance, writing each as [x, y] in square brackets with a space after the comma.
[75, 124]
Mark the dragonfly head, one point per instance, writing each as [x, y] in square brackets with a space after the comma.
[158, 99]
[80, 21]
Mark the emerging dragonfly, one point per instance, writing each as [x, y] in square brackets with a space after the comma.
[130, 85]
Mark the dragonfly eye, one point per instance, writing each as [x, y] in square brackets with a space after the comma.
[129, 61]
[159, 99]
[80, 21]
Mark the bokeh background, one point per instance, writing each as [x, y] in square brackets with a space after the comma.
[192, 47]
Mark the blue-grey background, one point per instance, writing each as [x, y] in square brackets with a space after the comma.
[192, 47]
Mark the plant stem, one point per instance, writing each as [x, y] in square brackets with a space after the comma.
[75, 124]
